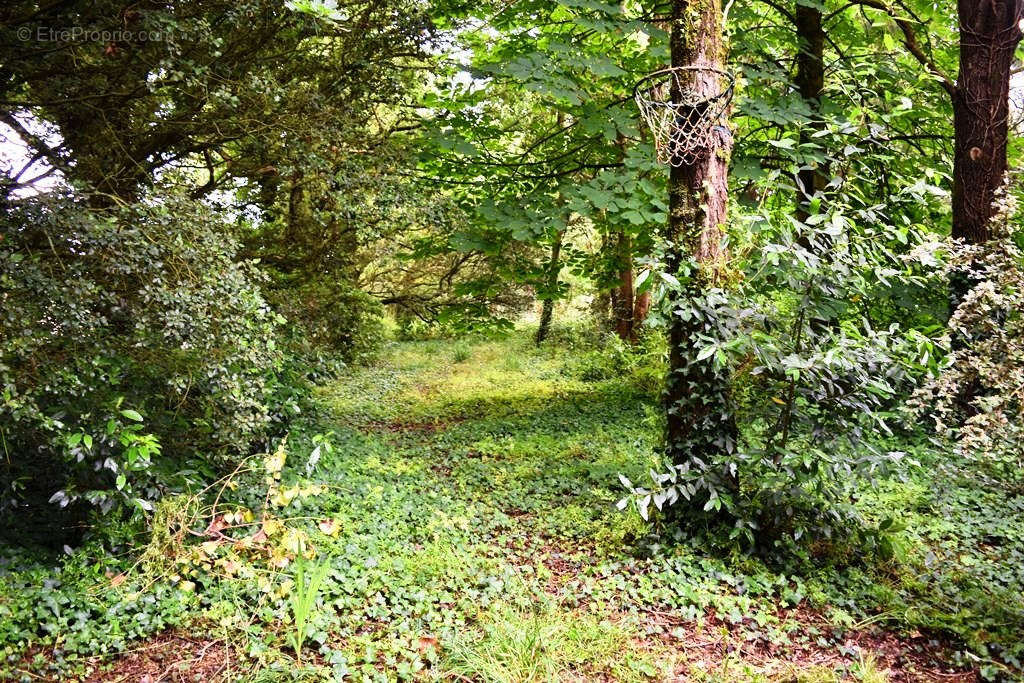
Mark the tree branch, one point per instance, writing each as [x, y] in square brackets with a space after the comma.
[911, 42]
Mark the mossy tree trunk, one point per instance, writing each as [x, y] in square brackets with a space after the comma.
[700, 421]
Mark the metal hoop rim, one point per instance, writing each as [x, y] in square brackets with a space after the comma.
[672, 70]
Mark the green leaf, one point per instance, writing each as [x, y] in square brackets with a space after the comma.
[633, 217]
[132, 414]
[670, 279]
[707, 352]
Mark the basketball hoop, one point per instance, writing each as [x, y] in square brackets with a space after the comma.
[682, 116]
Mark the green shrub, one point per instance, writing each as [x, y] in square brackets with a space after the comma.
[114, 316]
[779, 446]
[976, 400]
[461, 353]
[331, 317]
[611, 358]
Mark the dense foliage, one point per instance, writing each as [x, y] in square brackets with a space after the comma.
[131, 315]
[467, 508]
[339, 331]
[975, 401]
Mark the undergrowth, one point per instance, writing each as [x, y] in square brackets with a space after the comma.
[462, 506]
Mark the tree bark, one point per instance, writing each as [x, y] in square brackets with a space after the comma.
[989, 33]
[624, 292]
[640, 310]
[547, 309]
[548, 305]
[810, 81]
[700, 420]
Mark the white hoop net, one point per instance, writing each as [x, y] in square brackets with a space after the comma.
[682, 117]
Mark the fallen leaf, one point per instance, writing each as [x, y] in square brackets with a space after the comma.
[427, 643]
[216, 526]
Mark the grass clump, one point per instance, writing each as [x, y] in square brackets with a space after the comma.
[513, 645]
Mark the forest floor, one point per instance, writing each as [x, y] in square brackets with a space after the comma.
[468, 515]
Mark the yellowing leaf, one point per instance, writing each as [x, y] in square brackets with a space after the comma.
[275, 463]
[330, 527]
[285, 496]
[295, 542]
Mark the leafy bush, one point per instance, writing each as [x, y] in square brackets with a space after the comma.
[461, 353]
[76, 605]
[332, 316]
[976, 402]
[810, 375]
[468, 321]
[112, 315]
[611, 358]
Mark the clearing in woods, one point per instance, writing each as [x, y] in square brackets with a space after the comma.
[469, 511]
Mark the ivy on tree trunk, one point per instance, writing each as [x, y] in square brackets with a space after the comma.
[700, 421]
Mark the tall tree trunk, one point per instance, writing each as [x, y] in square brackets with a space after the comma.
[640, 310]
[812, 180]
[810, 81]
[624, 295]
[551, 285]
[623, 299]
[547, 309]
[699, 415]
[989, 33]
[599, 308]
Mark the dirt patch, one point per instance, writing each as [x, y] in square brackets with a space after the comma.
[170, 657]
[563, 562]
[443, 471]
[720, 647]
[562, 569]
